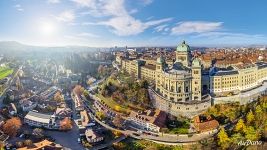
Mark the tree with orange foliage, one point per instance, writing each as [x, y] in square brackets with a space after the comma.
[12, 126]
[66, 124]
[58, 97]
[78, 89]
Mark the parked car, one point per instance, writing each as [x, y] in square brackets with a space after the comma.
[22, 135]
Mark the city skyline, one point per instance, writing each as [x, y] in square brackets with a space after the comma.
[134, 23]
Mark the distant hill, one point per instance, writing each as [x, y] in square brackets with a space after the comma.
[9, 47]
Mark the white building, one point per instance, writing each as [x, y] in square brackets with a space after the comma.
[40, 120]
[150, 120]
[92, 136]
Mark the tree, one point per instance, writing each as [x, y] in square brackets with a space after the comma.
[12, 126]
[19, 144]
[144, 84]
[240, 126]
[259, 110]
[86, 93]
[78, 89]
[237, 137]
[2, 145]
[117, 121]
[66, 124]
[38, 132]
[251, 133]
[119, 146]
[250, 117]
[58, 97]
[116, 133]
[117, 108]
[100, 115]
[223, 139]
[28, 142]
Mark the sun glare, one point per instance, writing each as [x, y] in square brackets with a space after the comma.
[47, 28]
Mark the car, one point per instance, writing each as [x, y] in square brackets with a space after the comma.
[22, 135]
[91, 124]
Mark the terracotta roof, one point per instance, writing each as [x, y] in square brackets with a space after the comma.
[156, 117]
[208, 125]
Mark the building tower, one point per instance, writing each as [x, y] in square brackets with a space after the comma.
[159, 68]
[196, 79]
[183, 54]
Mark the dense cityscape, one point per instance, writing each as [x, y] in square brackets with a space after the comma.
[134, 97]
[133, 75]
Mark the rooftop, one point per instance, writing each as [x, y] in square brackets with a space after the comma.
[44, 118]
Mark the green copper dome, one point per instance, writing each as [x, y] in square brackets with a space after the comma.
[183, 47]
[196, 62]
[160, 60]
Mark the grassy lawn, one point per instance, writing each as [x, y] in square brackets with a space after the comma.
[112, 104]
[4, 72]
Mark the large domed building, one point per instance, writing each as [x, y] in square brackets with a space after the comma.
[177, 85]
[181, 86]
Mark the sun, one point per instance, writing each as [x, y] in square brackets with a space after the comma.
[47, 28]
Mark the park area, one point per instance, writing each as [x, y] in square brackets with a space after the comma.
[4, 72]
[124, 94]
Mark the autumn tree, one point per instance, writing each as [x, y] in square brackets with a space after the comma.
[250, 117]
[100, 115]
[86, 93]
[251, 133]
[65, 124]
[259, 112]
[2, 145]
[116, 133]
[117, 121]
[28, 142]
[240, 126]
[78, 89]
[223, 139]
[236, 138]
[58, 97]
[12, 126]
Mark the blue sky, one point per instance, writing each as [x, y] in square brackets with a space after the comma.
[134, 22]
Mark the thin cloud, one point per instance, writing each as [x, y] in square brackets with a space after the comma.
[86, 34]
[66, 16]
[18, 7]
[117, 18]
[190, 27]
[127, 25]
[161, 28]
[53, 1]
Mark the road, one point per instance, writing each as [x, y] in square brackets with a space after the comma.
[67, 139]
[102, 146]
[168, 138]
[10, 81]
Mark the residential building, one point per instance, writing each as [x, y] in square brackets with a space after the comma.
[40, 120]
[149, 120]
[205, 123]
[92, 136]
